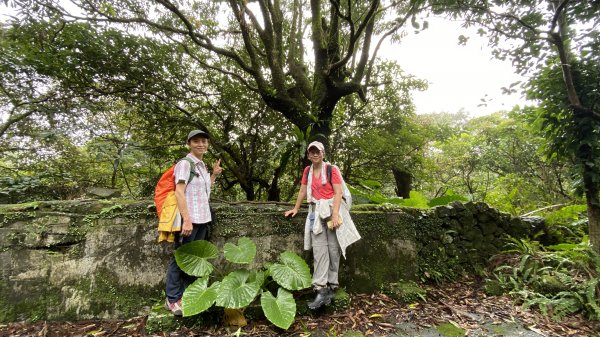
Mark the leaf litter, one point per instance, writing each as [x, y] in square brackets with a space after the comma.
[462, 304]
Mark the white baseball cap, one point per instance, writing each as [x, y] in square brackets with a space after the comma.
[316, 144]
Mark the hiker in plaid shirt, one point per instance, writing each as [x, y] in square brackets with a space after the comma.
[192, 202]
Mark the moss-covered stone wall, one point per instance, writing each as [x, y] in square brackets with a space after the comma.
[99, 259]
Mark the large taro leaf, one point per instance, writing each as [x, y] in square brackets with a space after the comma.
[244, 252]
[281, 311]
[258, 277]
[292, 273]
[238, 289]
[193, 257]
[198, 297]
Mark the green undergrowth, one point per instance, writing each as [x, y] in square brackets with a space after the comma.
[565, 225]
[405, 291]
[558, 280]
[369, 192]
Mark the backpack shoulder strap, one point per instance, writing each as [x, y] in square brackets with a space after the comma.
[192, 169]
[348, 199]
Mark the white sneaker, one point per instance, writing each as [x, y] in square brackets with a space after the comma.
[175, 307]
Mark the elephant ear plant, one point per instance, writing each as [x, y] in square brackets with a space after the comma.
[240, 288]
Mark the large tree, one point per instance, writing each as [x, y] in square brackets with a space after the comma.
[573, 136]
[83, 82]
[63, 84]
[299, 58]
[267, 42]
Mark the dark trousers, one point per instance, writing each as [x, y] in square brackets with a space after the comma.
[177, 280]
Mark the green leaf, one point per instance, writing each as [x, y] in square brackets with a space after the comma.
[562, 247]
[238, 289]
[446, 199]
[198, 297]
[258, 277]
[298, 133]
[280, 311]
[106, 8]
[193, 257]
[416, 200]
[244, 252]
[292, 273]
[371, 184]
[414, 23]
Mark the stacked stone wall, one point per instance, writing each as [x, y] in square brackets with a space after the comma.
[100, 259]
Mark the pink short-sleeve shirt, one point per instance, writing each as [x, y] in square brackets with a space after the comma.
[320, 191]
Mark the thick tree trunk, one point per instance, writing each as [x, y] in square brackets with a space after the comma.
[593, 207]
[403, 182]
[585, 152]
[249, 190]
[116, 164]
[274, 192]
[113, 178]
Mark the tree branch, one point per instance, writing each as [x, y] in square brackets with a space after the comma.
[197, 38]
[367, 26]
[557, 14]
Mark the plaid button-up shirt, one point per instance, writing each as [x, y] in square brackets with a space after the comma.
[197, 192]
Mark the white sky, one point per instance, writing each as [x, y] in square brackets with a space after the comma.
[459, 76]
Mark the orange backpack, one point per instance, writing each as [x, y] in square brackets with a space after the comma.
[166, 184]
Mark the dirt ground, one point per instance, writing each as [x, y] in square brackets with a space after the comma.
[461, 306]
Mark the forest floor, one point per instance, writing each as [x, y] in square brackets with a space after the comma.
[456, 309]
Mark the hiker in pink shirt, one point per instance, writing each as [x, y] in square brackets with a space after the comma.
[329, 230]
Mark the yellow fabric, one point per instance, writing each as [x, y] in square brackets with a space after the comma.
[170, 220]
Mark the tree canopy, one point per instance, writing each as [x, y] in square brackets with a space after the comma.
[104, 93]
[300, 57]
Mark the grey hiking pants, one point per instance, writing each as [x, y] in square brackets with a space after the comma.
[326, 253]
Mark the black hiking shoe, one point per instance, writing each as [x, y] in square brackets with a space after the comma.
[324, 296]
